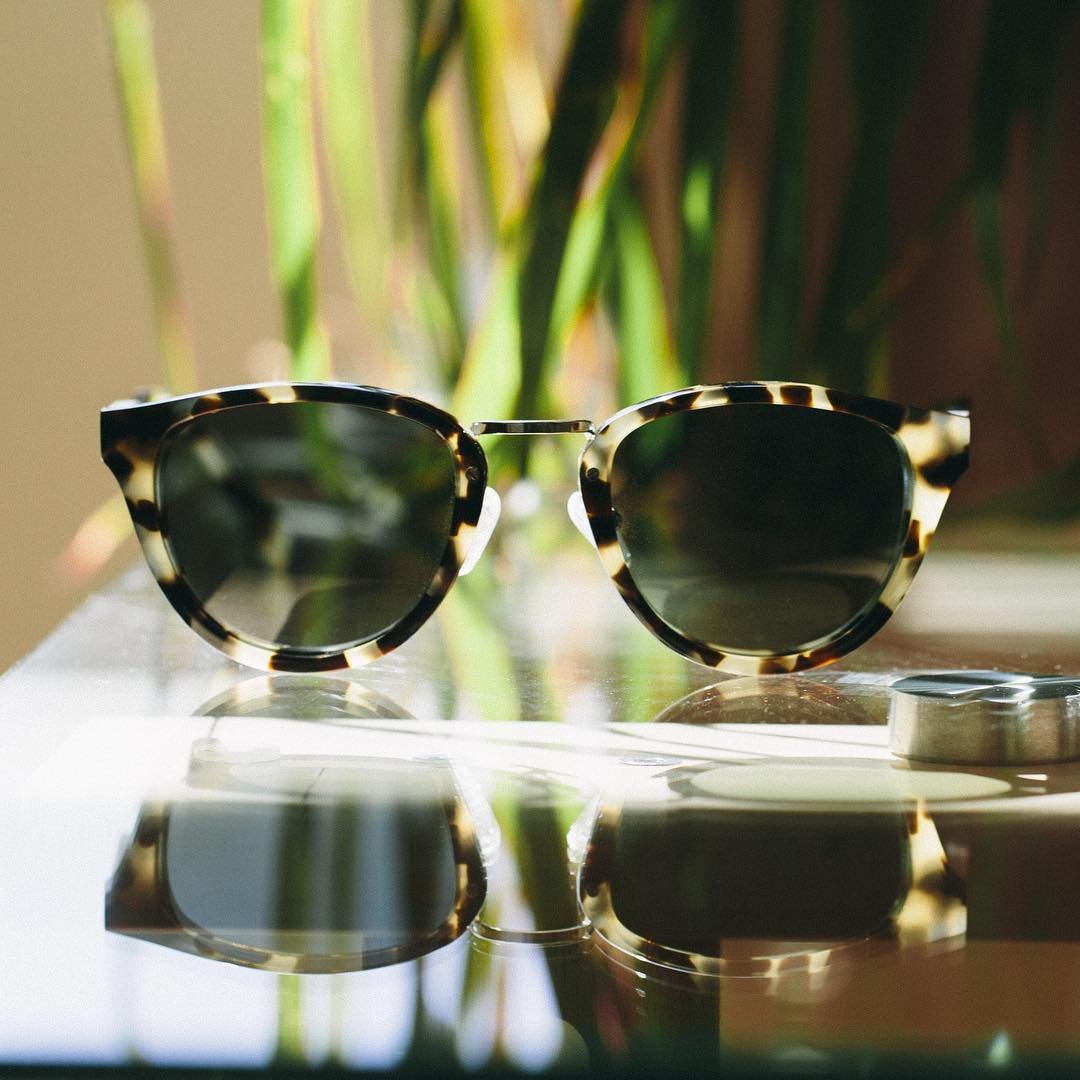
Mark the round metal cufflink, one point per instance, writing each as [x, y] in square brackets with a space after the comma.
[985, 718]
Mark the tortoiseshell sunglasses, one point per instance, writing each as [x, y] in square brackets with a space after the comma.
[752, 527]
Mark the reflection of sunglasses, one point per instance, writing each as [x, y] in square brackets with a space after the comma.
[716, 882]
[752, 527]
[305, 867]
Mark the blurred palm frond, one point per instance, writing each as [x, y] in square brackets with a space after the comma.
[292, 186]
[131, 39]
[517, 195]
[353, 154]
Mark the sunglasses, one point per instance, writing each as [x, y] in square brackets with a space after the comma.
[752, 527]
[302, 865]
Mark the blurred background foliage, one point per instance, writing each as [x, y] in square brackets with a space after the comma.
[532, 216]
[560, 208]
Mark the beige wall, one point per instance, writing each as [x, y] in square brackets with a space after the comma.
[75, 326]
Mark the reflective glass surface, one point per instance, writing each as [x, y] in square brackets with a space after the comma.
[536, 839]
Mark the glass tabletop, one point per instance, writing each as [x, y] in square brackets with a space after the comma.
[534, 838]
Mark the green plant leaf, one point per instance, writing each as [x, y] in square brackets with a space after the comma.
[289, 1049]
[581, 267]
[428, 194]
[493, 364]
[352, 152]
[710, 32]
[583, 106]
[443, 197]
[436, 27]
[639, 668]
[132, 44]
[432, 33]
[666, 26]
[468, 633]
[491, 372]
[585, 257]
[780, 275]
[292, 193]
[541, 851]
[884, 42]
[478, 975]
[489, 69]
[647, 363]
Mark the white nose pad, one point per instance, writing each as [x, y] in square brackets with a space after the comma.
[575, 507]
[485, 526]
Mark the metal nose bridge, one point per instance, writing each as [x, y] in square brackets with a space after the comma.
[532, 427]
[490, 511]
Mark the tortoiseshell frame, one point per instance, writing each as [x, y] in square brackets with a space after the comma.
[140, 904]
[132, 434]
[936, 444]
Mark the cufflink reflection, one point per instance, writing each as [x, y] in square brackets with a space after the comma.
[302, 864]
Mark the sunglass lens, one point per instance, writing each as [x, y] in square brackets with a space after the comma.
[373, 874]
[760, 529]
[315, 525]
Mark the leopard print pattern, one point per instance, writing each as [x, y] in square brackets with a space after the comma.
[140, 904]
[132, 434]
[936, 444]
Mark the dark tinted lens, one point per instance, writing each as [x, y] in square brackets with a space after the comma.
[316, 877]
[758, 528]
[310, 524]
[686, 878]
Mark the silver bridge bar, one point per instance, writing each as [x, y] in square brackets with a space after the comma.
[532, 427]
